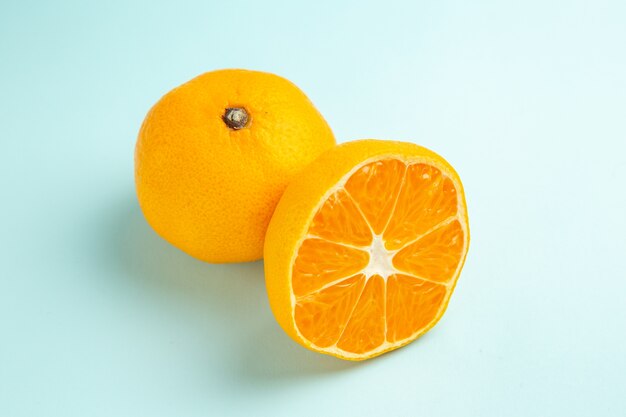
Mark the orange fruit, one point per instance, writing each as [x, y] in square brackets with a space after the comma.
[365, 247]
[214, 156]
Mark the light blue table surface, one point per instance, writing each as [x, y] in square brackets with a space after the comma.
[527, 99]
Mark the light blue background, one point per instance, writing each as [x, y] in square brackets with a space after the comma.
[100, 317]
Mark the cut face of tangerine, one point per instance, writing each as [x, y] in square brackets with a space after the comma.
[379, 257]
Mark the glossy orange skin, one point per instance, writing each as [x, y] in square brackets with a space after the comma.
[211, 190]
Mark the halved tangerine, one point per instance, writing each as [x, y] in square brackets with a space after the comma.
[365, 247]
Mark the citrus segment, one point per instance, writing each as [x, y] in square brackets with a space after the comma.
[339, 220]
[366, 328]
[322, 316]
[412, 303]
[427, 198]
[321, 262]
[369, 183]
[435, 256]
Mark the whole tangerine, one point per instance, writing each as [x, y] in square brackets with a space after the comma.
[214, 155]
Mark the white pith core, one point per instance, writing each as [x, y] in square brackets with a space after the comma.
[381, 260]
